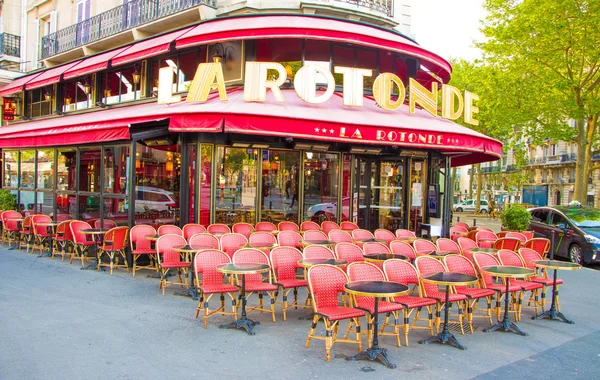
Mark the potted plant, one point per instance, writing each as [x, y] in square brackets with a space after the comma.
[7, 200]
[515, 218]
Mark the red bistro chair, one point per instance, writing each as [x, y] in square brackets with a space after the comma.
[383, 234]
[265, 241]
[401, 233]
[516, 235]
[245, 229]
[540, 245]
[10, 227]
[231, 242]
[289, 239]
[349, 252]
[60, 239]
[309, 226]
[81, 243]
[218, 229]
[375, 248]
[511, 244]
[106, 223]
[284, 264]
[349, 226]
[529, 255]
[314, 235]
[512, 258]
[399, 247]
[40, 233]
[265, 226]
[204, 240]
[288, 226]
[462, 224]
[115, 242]
[456, 232]
[317, 252]
[63, 217]
[465, 245]
[447, 245]
[424, 247]
[485, 239]
[339, 236]
[328, 225]
[141, 246]
[169, 229]
[26, 233]
[192, 229]
[168, 259]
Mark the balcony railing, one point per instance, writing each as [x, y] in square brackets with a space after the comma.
[114, 21]
[10, 45]
[383, 6]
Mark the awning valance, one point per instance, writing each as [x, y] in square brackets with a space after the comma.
[93, 64]
[18, 84]
[50, 76]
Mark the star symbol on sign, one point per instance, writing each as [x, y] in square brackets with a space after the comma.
[331, 131]
[317, 130]
[324, 130]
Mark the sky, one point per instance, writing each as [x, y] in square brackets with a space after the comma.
[447, 27]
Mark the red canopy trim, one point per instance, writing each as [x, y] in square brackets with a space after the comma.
[93, 64]
[18, 84]
[50, 76]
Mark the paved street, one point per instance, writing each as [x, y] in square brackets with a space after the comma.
[59, 322]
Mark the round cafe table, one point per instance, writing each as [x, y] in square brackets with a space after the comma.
[307, 263]
[97, 234]
[376, 289]
[52, 226]
[441, 254]
[243, 270]
[555, 265]
[408, 239]
[507, 272]
[381, 257]
[370, 240]
[306, 243]
[447, 279]
[189, 257]
[491, 251]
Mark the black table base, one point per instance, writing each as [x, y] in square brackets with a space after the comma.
[445, 337]
[243, 322]
[374, 354]
[505, 324]
[93, 265]
[553, 313]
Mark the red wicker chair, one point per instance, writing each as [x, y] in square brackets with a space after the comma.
[204, 240]
[231, 242]
[206, 262]
[528, 235]
[447, 245]
[10, 227]
[141, 246]
[328, 225]
[383, 234]
[460, 264]
[314, 235]
[374, 248]
[309, 226]
[399, 247]
[41, 234]
[218, 229]
[81, 241]
[404, 273]
[424, 247]
[169, 229]
[169, 259]
[508, 243]
[284, 263]
[325, 283]
[192, 229]
[401, 233]
[63, 217]
[456, 232]
[60, 239]
[115, 241]
[317, 252]
[289, 239]
[339, 236]
[512, 258]
[516, 235]
[254, 282]
[540, 245]
[288, 226]
[245, 229]
[363, 271]
[106, 223]
[485, 239]
[429, 265]
[529, 256]
[349, 252]
[265, 226]
[360, 234]
[465, 245]
[462, 224]
[349, 226]
[26, 233]
[484, 229]
[265, 241]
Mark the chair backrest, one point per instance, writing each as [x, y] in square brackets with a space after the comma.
[309, 226]
[206, 262]
[429, 265]
[460, 264]
[510, 258]
[456, 232]
[62, 227]
[204, 240]
[511, 244]
[67, 233]
[289, 239]
[265, 226]
[483, 260]
[245, 229]
[400, 233]
[349, 226]
[362, 234]
[165, 245]
[10, 224]
[63, 217]
[528, 235]
[424, 247]
[36, 219]
[364, 271]
[116, 237]
[26, 225]
[284, 262]
[540, 245]
[374, 248]
[317, 252]
[465, 244]
[262, 239]
[447, 245]
[9, 214]
[192, 229]
[399, 247]
[501, 234]
[401, 271]
[231, 242]
[516, 235]
[76, 226]
[339, 236]
[328, 225]
[349, 252]
[484, 229]
[485, 235]
[218, 228]
[106, 223]
[251, 256]
[315, 235]
[383, 234]
[137, 237]
[325, 283]
[288, 226]
[169, 229]
[529, 256]
[462, 224]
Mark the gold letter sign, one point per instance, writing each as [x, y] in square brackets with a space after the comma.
[383, 87]
[256, 83]
[204, 82]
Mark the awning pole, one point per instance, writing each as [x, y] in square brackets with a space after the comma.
[447, 220]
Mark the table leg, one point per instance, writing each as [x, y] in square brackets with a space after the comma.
[374, 352]
[552, 313]
[243, 322]
[95, 264]
[505, 324]
[445, 336]
[49, 253]
[191, 291]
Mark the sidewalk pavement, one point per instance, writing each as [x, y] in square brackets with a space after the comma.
[59, 322]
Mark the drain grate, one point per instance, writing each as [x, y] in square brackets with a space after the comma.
[455, 327]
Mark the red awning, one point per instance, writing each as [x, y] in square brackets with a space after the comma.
[50, 76]
[148, 48]
[17, 84]
[93, 64]
[304, 26]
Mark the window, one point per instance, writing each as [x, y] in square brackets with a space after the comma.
[77, 95]
[39, 102]
[27, 169]
[11, 166]
[122, 85]
[184, 66]
[66, 169]
[540, 216]
[45, 166]
[558, 220]
[321, 175]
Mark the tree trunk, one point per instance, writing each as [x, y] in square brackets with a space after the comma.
[478, 192]
[580, 164]
[471, 181]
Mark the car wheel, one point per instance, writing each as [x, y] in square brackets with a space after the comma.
[459, 209]
[320, 217]
[483, 211]
[575, 254]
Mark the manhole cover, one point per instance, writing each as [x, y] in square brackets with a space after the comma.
[456, 327]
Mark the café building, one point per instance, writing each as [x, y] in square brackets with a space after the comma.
[244, 119]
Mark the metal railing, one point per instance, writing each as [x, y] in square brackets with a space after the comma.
[114, 21]
[383, 6]
[10, 45]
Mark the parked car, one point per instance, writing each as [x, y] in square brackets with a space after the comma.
[328, 211]
[153, 198]
[469, 205]
[575, 231]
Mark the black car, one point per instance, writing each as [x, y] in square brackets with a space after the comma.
[574, 231]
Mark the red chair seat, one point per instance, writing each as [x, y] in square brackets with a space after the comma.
[476, 292]
[383, 307]
[144, 251]
[219, 288]
[527, 285]
[441, 296]
[260, 287]
[547, 281]
[335, 313]
[412, 301]
[291, 283]
[12, 228]
[42, 234]
[60, 238]
[106, 247]
[86, 243]
[502, 288]
[175, 265]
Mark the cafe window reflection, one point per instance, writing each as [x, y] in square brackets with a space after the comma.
[321, 174]
[280, 179]
[66, 169]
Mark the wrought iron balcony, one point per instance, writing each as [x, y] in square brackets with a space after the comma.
[383, 6]
[10, 45]
[114, 21]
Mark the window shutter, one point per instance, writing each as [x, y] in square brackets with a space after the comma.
[53, 21]
[36, 32]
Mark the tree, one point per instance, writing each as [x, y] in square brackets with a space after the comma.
[550, 51]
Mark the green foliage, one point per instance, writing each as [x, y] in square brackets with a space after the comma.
[7, 200]
[515, 218]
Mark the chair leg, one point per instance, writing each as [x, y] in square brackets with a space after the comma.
[311, 332]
